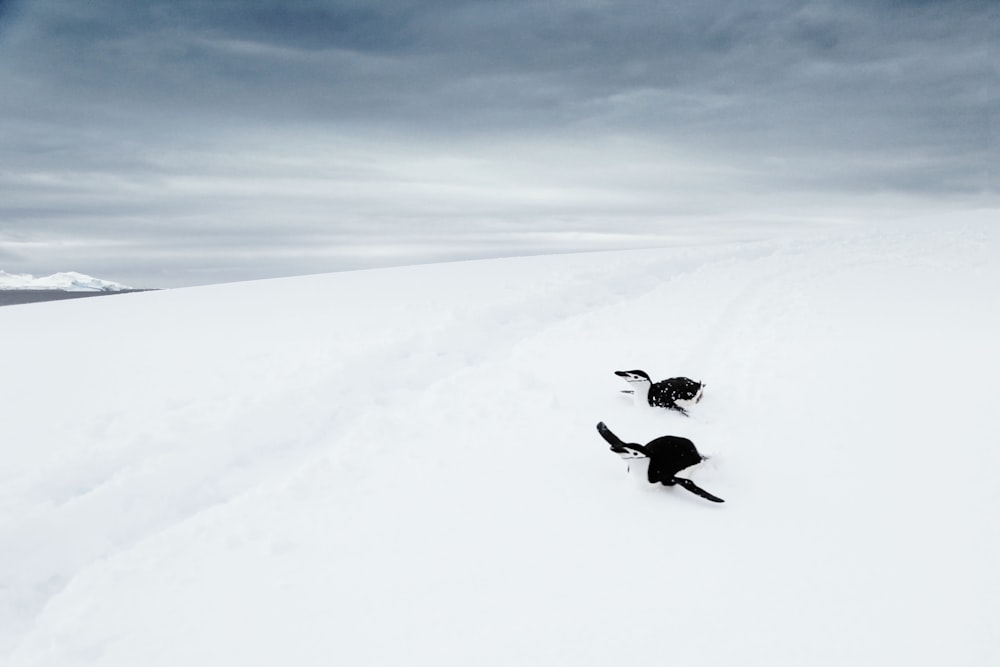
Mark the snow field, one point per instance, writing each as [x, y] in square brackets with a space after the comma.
[401, 467]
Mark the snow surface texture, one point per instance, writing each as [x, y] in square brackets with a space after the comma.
[69, 281]
[400, 466]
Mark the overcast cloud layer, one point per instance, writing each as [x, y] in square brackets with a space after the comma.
[176, 142]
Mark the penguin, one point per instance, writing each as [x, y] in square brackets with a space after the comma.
[666, 456]
[666, 393]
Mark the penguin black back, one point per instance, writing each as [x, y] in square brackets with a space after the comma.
[668, 455]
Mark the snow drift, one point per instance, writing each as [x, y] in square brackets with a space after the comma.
[400, 466]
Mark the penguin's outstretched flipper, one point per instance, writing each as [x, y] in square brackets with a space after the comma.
[697, 490]
[612, 439]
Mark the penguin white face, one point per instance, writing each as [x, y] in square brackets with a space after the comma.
[627, 453]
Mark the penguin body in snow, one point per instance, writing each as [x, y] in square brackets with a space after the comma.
[666, 455]
[666, 393]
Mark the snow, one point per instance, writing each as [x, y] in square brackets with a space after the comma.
[400, 466]
[69, 281]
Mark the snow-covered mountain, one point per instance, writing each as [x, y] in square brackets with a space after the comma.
[401, 467]
[69, 281]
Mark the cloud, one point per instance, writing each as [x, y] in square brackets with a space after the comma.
[184, 131]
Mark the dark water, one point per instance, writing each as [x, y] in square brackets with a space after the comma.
[13, 297]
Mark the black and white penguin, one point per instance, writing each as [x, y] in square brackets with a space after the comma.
[665, 456]
[663, 394]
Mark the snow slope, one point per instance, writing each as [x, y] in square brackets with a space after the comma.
[69, 281]
[400, 466]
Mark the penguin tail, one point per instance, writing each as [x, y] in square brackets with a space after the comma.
[709, 461]
[697, 490]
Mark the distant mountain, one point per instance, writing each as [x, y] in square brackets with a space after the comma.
[69, 281]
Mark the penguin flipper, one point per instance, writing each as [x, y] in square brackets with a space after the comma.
[609, 437]
[697, 490]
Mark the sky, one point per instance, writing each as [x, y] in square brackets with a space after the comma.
[165, 143]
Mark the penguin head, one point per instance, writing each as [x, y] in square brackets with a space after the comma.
[634, 377]
[633, 458]
[628, 452]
